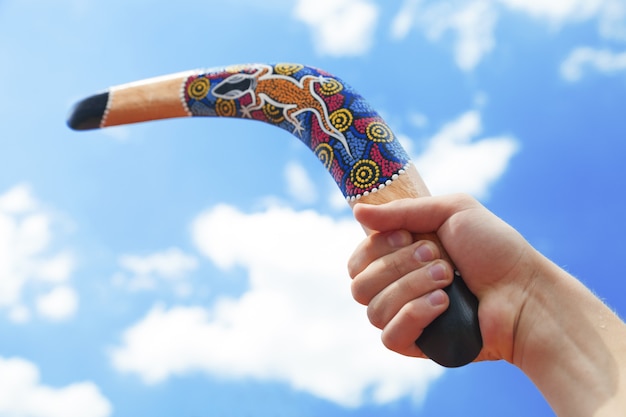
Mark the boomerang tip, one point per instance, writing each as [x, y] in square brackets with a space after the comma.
[87, 114]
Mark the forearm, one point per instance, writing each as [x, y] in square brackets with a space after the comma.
[532, 313]
[572, 346]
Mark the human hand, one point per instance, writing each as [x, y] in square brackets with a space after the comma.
[531, 312]
[400, 276]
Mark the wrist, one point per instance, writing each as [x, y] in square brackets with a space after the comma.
[569, 344]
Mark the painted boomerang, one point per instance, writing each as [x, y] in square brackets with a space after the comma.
[350, 139]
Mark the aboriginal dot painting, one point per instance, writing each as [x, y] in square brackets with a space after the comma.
[350, 139]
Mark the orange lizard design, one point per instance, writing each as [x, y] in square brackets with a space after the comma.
[351, 140]
[291, 95]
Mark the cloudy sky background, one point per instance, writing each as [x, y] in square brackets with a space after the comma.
[197, 267]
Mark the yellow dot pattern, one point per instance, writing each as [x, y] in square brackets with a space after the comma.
[341, 119]
[273, 113]
[379, 132]
[287, 69]
[330, 86]
[325, 154]
[225, 108]
[365, 174]
[199, 88]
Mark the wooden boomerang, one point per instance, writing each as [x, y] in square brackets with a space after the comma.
[352, 141]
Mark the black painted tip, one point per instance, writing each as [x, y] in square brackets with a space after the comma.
[87, 114]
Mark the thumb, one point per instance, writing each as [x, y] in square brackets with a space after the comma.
[417, 215]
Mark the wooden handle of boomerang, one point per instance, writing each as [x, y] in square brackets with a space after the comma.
[453, 339]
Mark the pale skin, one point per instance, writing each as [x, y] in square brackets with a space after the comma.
[532, 313]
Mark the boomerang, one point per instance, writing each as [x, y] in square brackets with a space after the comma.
[351, 140]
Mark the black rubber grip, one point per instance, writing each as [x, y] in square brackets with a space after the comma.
[453, 339]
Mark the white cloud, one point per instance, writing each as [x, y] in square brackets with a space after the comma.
[299, 184]
[17, 200]
[340, 27]
[601, 60]
[473, 27]
[23, 395]
[59, 304]
[56, 268]
[610, 14]
[613, 20]
[337, 201]
[144, 272]
[473, 23]
[418, 120]
[404, 19]
[296, 323]
[171, 263]
[453, 162]
[557, 11]
[19, 314]
[26, 257]
[118, 133]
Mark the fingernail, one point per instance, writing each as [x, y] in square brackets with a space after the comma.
[423, 253]
[437, 272]
[436, 298]
[398, 239]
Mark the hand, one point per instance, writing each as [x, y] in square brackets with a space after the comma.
[531, 312]
[400, 276]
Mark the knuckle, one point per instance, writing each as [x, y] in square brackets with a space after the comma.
[464, 201]
[358, 260]
[394, 339]
[413, 287]
[413, 314]
[391, 341]
[376, 316]
[353, 268]
[402, 262]
[358, 293]
[396, 266]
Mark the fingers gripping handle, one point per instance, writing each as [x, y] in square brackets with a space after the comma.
[352, 141]
[453, 339]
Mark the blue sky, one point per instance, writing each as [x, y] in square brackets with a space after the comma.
[197, 267]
